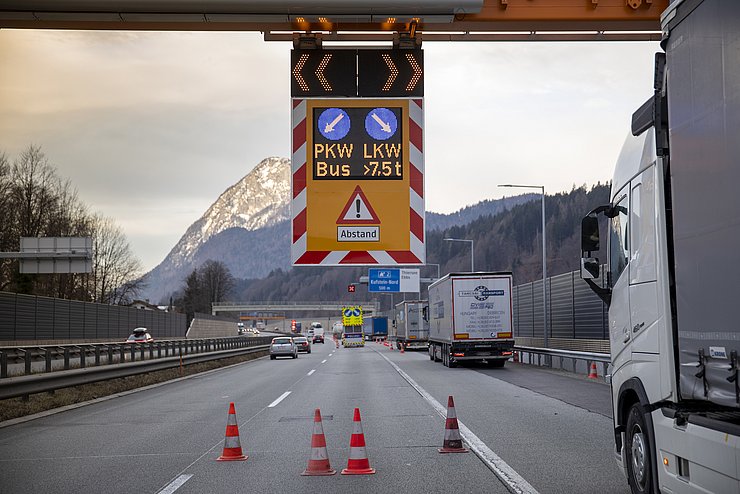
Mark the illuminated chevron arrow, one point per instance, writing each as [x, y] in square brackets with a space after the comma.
[320, 72]
[417, 72]
[297, 72]
[393, 72]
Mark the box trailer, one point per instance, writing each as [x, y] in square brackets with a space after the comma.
[411, 326]
[375, 327]
[471, 318]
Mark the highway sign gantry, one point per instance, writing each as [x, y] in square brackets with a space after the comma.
[358, 182]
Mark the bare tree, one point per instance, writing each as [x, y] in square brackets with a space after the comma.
[116, 276]
[216, 281]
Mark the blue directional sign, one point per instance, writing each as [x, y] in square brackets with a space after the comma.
[381, 123]
[384, 280]
[334, 123]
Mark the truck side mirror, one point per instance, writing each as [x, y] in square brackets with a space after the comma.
[590, 268]
[590, 233]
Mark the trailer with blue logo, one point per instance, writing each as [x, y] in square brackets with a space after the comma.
[470, 318]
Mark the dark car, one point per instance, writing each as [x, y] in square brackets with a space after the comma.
[140, 335]
[303, 344]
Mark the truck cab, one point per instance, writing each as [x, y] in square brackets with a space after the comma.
[673, 234]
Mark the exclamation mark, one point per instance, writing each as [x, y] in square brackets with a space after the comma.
[357, 205]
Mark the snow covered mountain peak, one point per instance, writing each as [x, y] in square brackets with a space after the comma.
[258, 200]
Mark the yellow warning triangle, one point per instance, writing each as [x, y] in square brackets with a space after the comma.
[358, 210]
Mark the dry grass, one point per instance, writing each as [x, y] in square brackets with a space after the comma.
[18, 407]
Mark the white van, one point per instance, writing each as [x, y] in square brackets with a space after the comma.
[317, 332]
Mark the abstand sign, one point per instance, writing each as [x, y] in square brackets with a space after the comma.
[393, 280]
[358, 182]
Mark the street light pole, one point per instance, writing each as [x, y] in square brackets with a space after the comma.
[472, 250]
[544, 257]
[432, 264]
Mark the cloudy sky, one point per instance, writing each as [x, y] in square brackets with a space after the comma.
[152, 127]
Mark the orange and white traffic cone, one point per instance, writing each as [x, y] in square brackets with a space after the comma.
[593, 374]
[358, 463]
[453, 441]
[232, 446]
[318, 463]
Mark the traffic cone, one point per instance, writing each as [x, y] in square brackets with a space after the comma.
[453, 441]
[358, 463]
[232, 447]
[593, 374]
[318, 463]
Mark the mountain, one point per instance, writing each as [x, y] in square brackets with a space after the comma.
[240, 229]
[508, 241]
[248, 229]
[437, 221]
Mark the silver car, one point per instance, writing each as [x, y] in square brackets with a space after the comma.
[283, 346]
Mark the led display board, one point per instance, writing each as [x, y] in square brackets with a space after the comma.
[358, 182]
[383, 73]
[349, 73]
[323, 72]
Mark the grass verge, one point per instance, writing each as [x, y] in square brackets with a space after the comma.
[18, 407]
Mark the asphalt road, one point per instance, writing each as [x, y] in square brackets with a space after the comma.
[551, 429]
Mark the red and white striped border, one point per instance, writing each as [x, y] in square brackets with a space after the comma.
[417, 251]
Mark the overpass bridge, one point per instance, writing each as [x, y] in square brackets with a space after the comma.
[335, 307]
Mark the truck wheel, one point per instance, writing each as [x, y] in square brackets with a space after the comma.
[451, 363]
[638, 452]
[496, 364]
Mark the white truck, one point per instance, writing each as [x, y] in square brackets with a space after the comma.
[470, 318]
[410, 327]
[673, 267]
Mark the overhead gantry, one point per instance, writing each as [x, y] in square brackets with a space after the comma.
[355, 20]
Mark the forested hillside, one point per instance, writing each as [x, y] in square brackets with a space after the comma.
[508, 241]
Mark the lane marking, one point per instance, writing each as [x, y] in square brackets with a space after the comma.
[312, 371]
[280, 398]
[323, 361]
[175, 484]
[514, 482]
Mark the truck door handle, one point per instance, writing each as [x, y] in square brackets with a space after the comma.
[626, 335]
[638, 327]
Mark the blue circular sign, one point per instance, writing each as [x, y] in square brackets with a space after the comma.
[381, 123]
[334, 123]
[356, 312]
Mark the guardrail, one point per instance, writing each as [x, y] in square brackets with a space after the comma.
[97, 354]
[603, 358]
[39, 383]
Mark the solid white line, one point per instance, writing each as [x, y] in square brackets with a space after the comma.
[281, 398]
[175, 484]
[312, 371]
[511, 479]
[323, 361]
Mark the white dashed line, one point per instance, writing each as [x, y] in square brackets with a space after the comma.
[514, 482]
[175, 484]
[312, 371]
[281, 398]
[323, 361]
